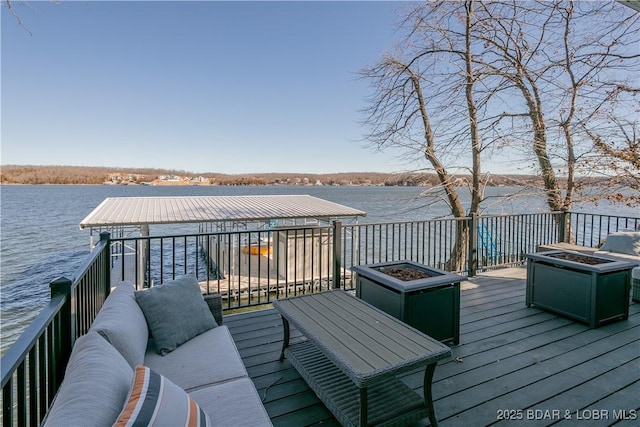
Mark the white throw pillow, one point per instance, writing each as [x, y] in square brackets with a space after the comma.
[156, 401]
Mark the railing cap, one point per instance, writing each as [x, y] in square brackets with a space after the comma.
[61, 285]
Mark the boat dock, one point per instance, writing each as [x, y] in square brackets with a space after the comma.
[244, 246]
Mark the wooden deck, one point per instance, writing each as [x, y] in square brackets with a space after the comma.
[512, 361]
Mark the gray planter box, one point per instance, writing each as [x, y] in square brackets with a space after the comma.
[594, 294]
[431, 305]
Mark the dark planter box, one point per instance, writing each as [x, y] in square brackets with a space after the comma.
[594, 294]
[431, 305]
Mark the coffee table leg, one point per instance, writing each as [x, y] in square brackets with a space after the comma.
[285, 340]
[363, 407]
[428, 397]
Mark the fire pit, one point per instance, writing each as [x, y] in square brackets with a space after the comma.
[423, 297]
[592, 289]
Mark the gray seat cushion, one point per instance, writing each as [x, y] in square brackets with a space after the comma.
[234, 403]
[175, 312]
[122, 323]
[95, 386]
[206, 359]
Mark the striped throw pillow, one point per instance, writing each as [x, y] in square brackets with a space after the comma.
[156, 401]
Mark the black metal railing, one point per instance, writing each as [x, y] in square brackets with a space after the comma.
[461, 245]
[591, 230]
[247, 267]
[505, 239]
[438, 243]
[33, 368]
[254, 267]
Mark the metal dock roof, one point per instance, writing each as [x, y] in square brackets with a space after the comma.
[120, 211]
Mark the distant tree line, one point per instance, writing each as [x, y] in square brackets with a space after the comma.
[19, 174]
[51, 175]
[16, 174]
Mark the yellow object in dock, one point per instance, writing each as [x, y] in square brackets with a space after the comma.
[256, 250]
[257, 247]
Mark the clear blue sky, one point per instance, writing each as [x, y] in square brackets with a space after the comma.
[230, 87]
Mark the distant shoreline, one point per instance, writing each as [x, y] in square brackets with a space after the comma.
[85, 175]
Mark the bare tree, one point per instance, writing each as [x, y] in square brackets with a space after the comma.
[431, 80]
[538, 77]
[618, 159]
[9, 4]
[573, 64]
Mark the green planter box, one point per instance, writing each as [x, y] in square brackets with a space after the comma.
[595, 293]
[431, 305]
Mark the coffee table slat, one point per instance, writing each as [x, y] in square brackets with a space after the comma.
[403, 343]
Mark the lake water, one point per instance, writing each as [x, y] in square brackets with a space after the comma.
[40, 239]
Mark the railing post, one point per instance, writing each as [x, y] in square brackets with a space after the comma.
[146, 254]
[105, 237]
[562, 226]
[337, 253]
[473, 244]
[67, 332]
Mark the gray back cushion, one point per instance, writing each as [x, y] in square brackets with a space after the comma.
[95, 387]
[175, 312]
[623, 242]
[122, 323]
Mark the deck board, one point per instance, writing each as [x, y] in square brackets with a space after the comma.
[509, 357]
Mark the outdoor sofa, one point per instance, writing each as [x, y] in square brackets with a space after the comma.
[189, 370]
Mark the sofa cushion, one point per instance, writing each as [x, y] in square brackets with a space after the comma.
[208, 358]
[221, 403]
[122, 323]
[96, 385]
[155, 401]
[623, 242]
[175, 312]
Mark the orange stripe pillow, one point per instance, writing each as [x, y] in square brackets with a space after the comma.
[156, 401]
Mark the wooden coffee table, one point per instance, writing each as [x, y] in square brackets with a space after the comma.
[354, 352]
